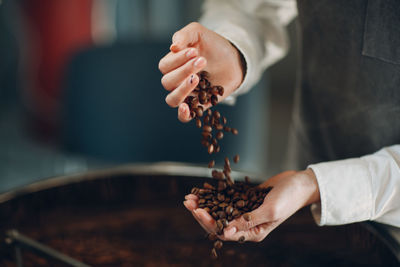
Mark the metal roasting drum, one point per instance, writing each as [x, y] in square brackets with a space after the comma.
[134, 216]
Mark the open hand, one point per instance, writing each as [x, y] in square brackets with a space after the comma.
[291, 191]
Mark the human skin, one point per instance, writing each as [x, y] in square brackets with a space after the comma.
[292, 190]
[195, 48]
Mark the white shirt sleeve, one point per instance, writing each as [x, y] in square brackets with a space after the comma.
[359, 189]
[256, 28]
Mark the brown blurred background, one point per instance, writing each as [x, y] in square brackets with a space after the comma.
[80, 90]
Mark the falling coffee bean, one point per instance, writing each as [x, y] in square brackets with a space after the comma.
[236, 158]
[211, 164]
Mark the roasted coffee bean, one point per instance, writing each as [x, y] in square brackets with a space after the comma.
[206, 119]
[224, 120]
[235, 158]
[229, 210]
[198, 123]
[217, 148]
[214, 100]
[216, 114]
[214, 141]
[214, 208]
[214, 254]
[247, 179]
[227, 129]
[220, 90]
[234, 131]
[210, 149]
[240, 204]
[246, 217]
[207, 209]
[241, 239]
[219, 127]
[208, 186]
[207, 128]
[221, 214]
[195, 190]
[221, 186]
[227, 163]
[214, 90]
[225, 222]
[218, 244]
[211, 164]
[193, 114]
[212, 236]
[209, 113]
[214, 215]
[199, 111]
[202, 201]
[220, 135]
[223, 205]
[221, 197]
[235, 213]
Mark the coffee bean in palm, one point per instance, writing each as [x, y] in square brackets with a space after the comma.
[246, 217]
[240, 204]
[241, 239]
[235, 158]
[220, 90]
[214, 100]
[208, 186]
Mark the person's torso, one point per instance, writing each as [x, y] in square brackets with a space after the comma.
[348, 97]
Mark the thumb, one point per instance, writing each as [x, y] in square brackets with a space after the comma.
[251, 219]
[187, 36]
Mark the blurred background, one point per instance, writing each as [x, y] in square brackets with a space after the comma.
[80, 90]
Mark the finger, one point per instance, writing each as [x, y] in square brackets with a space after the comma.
[174, 60]
[256, 217]
[192, 197]
[255, 234]
[187, 36]
[190, 204]
[173, 79]
[177, 96]
[205, 220]
[184, 113]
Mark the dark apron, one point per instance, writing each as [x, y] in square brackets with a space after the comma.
[347, 102]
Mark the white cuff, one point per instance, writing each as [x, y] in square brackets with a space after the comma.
[345, 191]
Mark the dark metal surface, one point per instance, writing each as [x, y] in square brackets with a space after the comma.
[133, 215]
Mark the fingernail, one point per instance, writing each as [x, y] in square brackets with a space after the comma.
[231, 231]
[174, 48]
[190, 53]
[199, 61]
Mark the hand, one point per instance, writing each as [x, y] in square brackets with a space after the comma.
[291, 191]
[195, 48]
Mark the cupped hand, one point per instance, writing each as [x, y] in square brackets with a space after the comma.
[291, 191]
[195, 48]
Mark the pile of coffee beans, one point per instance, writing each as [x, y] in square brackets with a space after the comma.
[205, 93]
[224, 200]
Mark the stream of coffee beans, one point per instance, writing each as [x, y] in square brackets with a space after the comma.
[224, 199]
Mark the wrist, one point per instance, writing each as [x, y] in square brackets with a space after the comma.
[310, 184]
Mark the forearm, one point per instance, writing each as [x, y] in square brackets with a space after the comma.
[256, 29]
